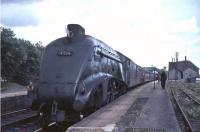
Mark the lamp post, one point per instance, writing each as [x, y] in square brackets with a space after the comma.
[153, 77]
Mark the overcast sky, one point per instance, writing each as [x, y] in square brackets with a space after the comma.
[147, 31]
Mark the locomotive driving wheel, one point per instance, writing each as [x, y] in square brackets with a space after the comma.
[110, 95]
[97, 96]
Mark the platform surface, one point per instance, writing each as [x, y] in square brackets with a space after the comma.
[158, 112]
[12, 94]
[142, 109]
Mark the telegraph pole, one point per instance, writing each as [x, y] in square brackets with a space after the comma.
[154, 77]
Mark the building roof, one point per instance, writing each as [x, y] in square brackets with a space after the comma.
[183, 65]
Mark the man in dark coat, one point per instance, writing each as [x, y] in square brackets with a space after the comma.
[163, 78]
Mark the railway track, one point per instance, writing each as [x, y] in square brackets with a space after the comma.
[49, 128]
[54, 127]
[191, 96]
[190, 125]
[28, 121]
[21, 120]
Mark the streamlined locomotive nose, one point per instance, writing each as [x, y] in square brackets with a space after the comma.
[49, 92]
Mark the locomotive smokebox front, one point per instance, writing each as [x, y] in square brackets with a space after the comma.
[62, 65]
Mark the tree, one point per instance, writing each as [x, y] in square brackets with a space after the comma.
[20, 58]
[7, 55]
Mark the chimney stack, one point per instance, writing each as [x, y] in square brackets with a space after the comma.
[185, 58]
[176, 56]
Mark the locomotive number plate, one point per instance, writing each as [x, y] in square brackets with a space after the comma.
[64, 53]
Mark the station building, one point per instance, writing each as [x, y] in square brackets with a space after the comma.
[183, 70]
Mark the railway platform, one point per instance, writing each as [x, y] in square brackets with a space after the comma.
[145, 109]
[12, 94]
[13, 89]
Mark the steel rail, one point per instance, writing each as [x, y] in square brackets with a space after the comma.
[17, 117]
[191, 96]
[13, 112]
[40, 129]
[189, 126]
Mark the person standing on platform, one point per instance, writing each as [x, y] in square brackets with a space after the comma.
[163, 78]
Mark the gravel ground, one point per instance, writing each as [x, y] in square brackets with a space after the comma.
[191, 109]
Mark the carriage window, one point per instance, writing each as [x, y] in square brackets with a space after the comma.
[113, 69]
[129, 62]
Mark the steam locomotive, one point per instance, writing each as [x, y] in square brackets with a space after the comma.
[79, 74]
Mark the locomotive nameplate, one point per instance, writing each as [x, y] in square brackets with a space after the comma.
[64, 53]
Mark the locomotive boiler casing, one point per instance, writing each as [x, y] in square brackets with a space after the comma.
[72, 70]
